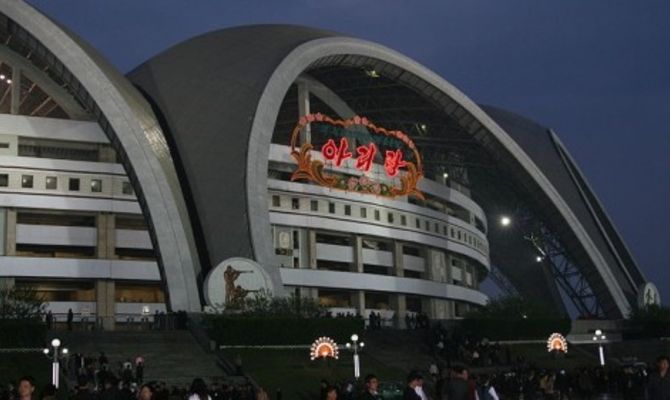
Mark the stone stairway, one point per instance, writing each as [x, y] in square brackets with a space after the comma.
[170, 356]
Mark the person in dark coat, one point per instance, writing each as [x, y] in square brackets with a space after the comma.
[658, 387]
[70, 319]
[371, 388]
[413, 380]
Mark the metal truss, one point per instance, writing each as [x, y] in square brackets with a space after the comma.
[567, 275]
[502, 282]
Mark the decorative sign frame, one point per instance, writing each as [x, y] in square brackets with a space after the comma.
[324, 347]
[557, 342]
[337, 152]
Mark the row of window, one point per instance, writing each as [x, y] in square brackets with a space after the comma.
[73, 184]
[386, 216]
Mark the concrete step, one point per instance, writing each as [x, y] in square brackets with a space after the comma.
[171, 356]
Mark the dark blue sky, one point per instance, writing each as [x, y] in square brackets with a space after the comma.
[597, 72]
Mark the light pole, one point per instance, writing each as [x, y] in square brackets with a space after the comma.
[599, 337]
[55, 366]
[355, 346]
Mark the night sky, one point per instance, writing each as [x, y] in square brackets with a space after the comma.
[597, 72]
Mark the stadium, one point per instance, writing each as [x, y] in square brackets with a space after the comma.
[329, 167]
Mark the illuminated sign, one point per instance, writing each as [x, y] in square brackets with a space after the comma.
[557, 342]
[324, 347]
[395, 151]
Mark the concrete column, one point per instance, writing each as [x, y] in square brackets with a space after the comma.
[10, 232]
[105, 298]
[398, 259]
[399, 305]
[16, 91]
[106, 240]
[311, 249]
[358, 253]
[304, 109]
[358, 301]
[310, 262]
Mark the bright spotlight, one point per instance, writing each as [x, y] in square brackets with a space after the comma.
[55, 342]
[505, 221]
[45, 351]
[538, 259]
[354, 337]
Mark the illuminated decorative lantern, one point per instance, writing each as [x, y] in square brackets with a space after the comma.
[557, 342]
[324, 347]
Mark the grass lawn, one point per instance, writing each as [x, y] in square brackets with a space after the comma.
[298, 377]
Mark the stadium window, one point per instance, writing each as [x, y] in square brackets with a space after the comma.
[459, 235]
[96, 185]
[444, 230]
[403, 220]
[331, 208]
[127, 188]
[377, 215]
[51, 182]
[347, 209]
[27, 181]
[417, 223]
[295, 203]
[314, 205]
[73, 185]
[4, 180]
[451, 231]
[436, 228]
[426, 225]
[276, 201]
[364, 212]
[389, 217]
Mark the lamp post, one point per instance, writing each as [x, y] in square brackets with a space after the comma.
[355, 346]
[599, 338]
[55, 364]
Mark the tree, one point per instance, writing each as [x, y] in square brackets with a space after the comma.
[21, 303]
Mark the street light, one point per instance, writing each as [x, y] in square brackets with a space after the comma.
[355, 346]
[55, 365]
[505, 220]
[599, 337]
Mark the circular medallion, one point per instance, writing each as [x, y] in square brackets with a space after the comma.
[234, 280]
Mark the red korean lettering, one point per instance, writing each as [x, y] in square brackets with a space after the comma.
[335, 153]
[393, 162]
[366, 155]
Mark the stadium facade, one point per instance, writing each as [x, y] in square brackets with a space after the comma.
[346, 171]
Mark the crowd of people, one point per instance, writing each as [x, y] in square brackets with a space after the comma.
[524, 383]
[114, 388]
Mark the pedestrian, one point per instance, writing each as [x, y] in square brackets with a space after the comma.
[146, 392]
[413, 380]
[658, 387]
[139, 371]
[485, 390]
[371, 388]
[70, 319]
[457, 388]
[331, 393]
[26, 388]
[198, 390]
[50, 320]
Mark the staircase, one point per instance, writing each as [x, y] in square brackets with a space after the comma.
[170, 356]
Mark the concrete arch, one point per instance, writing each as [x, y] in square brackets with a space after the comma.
[300, 59]
[132, 128]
